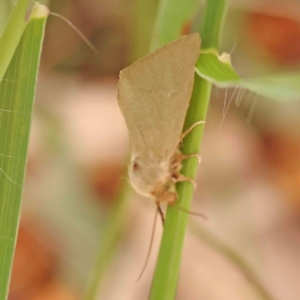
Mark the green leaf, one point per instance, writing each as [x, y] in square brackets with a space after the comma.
[13, 33]
[281, 87]
[5, 11]
[16, 102]
[219, 71]
[216, 69]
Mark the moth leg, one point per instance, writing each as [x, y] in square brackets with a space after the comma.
[191, 155]
[187, 211]
[185, 133]
[183, 178]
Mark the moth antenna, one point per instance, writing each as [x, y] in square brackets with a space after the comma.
[88, 43]
[187, 211]
[161, 213]
[150, 245]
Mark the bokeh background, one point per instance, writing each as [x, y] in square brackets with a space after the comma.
[76, 198]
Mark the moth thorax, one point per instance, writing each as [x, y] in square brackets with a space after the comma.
[146, 174]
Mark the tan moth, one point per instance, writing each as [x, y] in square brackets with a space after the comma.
[154, 95]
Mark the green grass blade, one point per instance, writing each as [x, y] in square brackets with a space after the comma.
[5, 12]
[167, 270]
[219, 71]
[16, 103]
[13, 33]
[280, 87]
[172, 16]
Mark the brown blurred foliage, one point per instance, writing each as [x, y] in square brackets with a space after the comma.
[279, 36]
[34, 274]
[281, 153]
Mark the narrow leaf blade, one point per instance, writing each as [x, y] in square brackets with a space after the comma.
[13, 33]
[16, 103]
[219, 71]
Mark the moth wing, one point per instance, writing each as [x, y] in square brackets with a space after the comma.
[154, 94]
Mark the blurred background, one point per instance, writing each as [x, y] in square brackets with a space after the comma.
[79, 217]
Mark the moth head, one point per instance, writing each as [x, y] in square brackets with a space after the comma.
[165, 191]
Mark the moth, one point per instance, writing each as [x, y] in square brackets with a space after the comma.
[153, 95]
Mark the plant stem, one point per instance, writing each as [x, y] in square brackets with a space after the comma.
[213, 23]
[167, 270]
